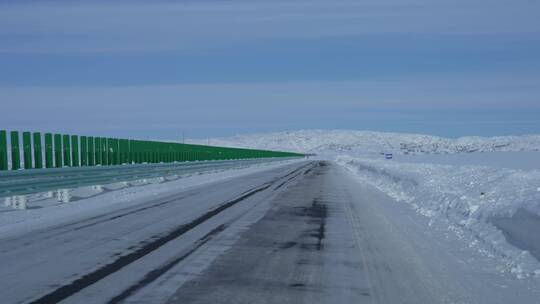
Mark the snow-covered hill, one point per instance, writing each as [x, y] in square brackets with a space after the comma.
[368, 142]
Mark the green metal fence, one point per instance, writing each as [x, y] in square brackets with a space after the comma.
[62, 150]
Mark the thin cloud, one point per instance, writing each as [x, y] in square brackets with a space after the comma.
[158, 26]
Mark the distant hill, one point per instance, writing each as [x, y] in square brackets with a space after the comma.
[369, 142]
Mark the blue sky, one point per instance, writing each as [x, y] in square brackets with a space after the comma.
[215, 68]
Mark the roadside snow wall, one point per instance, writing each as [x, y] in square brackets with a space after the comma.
[468, 200]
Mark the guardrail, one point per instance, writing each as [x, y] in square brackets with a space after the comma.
[62, 150]
[23, 182]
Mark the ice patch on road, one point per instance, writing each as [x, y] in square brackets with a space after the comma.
[468, 200]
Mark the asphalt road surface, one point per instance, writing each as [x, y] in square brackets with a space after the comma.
[302, 233]
[319, 243]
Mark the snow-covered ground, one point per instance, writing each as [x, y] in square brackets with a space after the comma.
[523, 160]
[484, 190]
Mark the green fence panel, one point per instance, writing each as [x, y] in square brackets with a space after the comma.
[131, 152]
[67, 150]
[133, 159]
[116, 151]
[15, 151]
[126, 151]
[27, 150]
[148, 153]
[91, 152]
[129, 160]
[152, 153]
[3, 150]
[84, 151]
[49, 163]
[38, 151]
[97, 151]
[122, 151]
[75, 150]
[144, 152]
[58, 160]
[110, 151]
[104, 153]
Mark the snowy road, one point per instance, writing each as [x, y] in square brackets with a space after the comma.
[306, 232]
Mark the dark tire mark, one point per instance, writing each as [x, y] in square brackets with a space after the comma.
[131, 212]
[296, 285]
[154, 274]
[294, 176]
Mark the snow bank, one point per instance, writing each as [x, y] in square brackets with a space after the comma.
[467, 200]
[524, 160]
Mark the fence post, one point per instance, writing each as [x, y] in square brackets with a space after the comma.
[58, 160]
[75, 150]
[84, 151]
[3, 150]
[38, 151]
[15, 151]
[67, 153]
[48, 151]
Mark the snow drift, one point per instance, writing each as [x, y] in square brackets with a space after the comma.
[484, 206]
